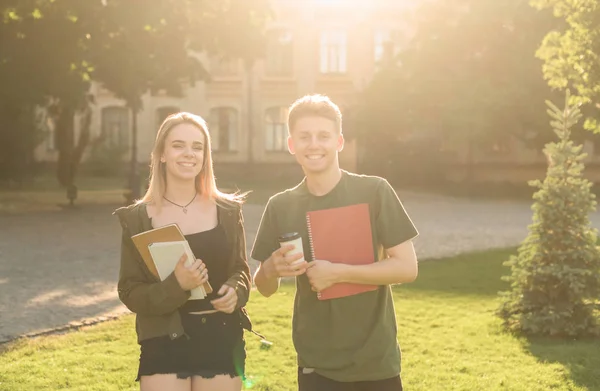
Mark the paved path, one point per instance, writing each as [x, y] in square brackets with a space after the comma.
[61, 267]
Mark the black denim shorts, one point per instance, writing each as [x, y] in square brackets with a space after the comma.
[214, 345]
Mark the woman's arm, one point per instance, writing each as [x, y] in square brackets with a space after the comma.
[240, 277]
[139, 294]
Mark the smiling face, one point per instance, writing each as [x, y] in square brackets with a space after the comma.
[315, 141]
[183, 153]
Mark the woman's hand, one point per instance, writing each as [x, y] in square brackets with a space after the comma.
[192, 276]
[226, 303]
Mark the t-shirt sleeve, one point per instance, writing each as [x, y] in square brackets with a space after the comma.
[394, 226]
[266, 238]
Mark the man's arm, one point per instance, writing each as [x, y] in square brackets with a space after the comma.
[395, 232]
[265, 243]
[400, 267]
[266, 282]
[274, 261]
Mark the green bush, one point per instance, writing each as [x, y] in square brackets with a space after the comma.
[555, 276]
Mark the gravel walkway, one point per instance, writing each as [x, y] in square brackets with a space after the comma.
[60, 268]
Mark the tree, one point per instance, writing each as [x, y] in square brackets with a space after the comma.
[19, 131]
[467, 77]
[126, 45]
[38, 73]
[555, 276]
[571, 53]
[68, 78]
[140, 49]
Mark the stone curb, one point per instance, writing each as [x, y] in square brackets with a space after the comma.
[72, 326]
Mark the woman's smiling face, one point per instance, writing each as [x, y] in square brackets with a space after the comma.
[183, 153]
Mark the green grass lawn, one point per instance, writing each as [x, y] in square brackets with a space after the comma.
[449, 336]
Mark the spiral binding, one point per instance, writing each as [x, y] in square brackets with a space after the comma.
[310, 243]
[310, 239]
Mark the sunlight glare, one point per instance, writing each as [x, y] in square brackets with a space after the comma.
[358, 3]
[329, 2]
[47, 297]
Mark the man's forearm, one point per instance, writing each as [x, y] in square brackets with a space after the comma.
[266, 285]
[385, 272]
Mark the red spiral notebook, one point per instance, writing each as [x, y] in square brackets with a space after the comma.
[342, 235]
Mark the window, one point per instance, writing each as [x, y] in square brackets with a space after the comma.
[49, 128]
[115, 126]
[276, 132]
[333, 52]
[279, 58]
[223, 128]
[163, 112]
[386, 46]
[221, 67]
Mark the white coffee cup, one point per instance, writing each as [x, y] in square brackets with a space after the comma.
[295, 239]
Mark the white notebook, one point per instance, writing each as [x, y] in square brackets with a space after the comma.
[166, 255]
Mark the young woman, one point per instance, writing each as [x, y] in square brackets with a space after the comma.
[187, 344]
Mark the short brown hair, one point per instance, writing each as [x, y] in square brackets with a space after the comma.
[314, 105]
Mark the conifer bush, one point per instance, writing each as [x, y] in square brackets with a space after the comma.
[555, 275]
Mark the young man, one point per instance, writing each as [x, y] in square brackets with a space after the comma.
[347, 343]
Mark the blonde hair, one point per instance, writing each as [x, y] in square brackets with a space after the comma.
[205, 181]
[314, 105]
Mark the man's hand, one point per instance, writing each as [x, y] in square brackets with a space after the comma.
[226, 303]
[322, 274]
[280, 264]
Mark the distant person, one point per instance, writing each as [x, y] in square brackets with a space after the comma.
[347, 343]
[187, 344]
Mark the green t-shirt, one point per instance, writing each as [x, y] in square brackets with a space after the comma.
[351, 338]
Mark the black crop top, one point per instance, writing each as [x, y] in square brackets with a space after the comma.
[213, 249]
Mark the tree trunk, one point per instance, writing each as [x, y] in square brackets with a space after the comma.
[65, 138]
[82, 142]
[69, 153]
[134, 177]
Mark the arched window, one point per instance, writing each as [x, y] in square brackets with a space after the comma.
[163, 112]
[223, 127]
[115, 126]
[276, 131]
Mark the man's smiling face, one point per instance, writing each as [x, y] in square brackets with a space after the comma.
[315, 141]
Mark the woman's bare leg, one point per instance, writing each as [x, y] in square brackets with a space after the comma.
[217, 383]
[162, 382]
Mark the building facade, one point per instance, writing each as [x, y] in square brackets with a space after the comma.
[330, 47]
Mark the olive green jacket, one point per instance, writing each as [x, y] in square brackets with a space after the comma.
[156, 302]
